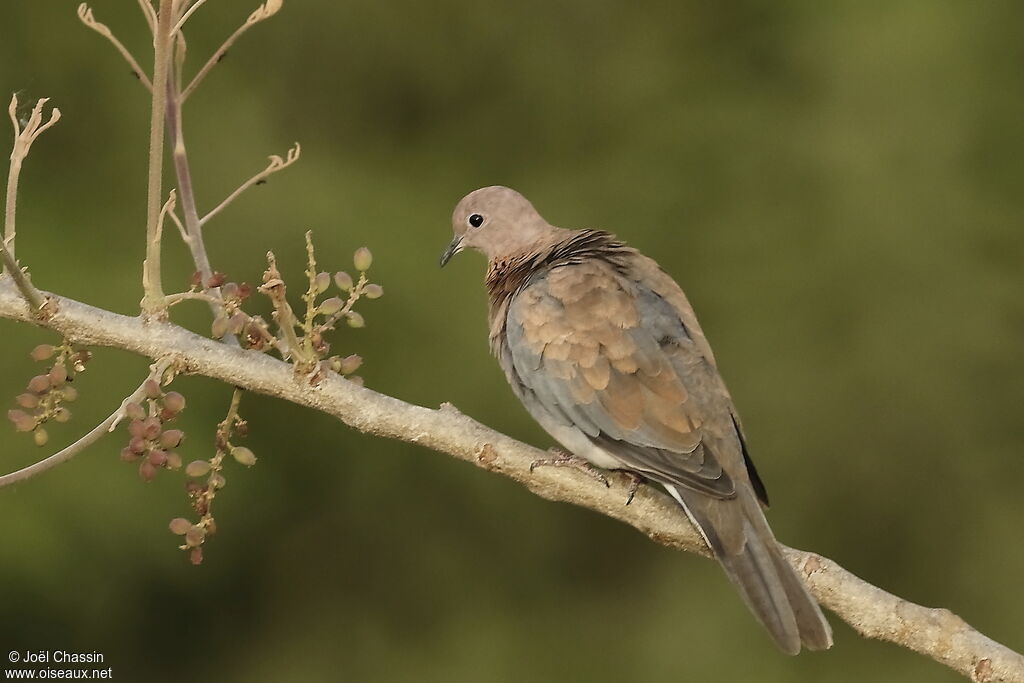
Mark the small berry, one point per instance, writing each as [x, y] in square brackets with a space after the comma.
[138, 445]
[62, 414]
[195, 556]
[128, 455]
[373, 291]
[216, 280]
[354, 319]
[40, 437]
[69, 393]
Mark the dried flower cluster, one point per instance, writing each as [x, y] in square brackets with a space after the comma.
[206, 478]
[151, 444]
[46, 394]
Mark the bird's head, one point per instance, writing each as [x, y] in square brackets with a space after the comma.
[497, 221]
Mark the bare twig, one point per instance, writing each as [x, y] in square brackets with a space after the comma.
[150, 14]
[277, 163]
[264, 11]
[152, 302]
[94, 435]
[934, 633]
[186, 15]
[23, 139]
[85, 14]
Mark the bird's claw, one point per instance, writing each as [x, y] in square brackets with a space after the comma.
[566, 460]
[634, 485]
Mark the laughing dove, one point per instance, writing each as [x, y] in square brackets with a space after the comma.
[604, 351]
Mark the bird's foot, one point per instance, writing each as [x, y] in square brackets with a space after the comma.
[634, 485]
[563, 459]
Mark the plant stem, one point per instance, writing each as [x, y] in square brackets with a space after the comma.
[153, 300]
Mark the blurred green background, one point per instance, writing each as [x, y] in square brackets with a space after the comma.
[837, 187]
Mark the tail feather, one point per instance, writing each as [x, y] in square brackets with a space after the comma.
[744, 545]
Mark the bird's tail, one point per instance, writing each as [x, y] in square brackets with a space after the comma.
[744, 545]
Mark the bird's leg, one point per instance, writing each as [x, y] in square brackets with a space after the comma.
[563, 459]
[634, 485]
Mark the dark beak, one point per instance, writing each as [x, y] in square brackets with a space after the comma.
[452, 250]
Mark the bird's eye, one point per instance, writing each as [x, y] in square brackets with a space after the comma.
[476, 220]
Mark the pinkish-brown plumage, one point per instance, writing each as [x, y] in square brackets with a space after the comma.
[605, 352]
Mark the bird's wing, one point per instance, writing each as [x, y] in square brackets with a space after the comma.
[609, 356]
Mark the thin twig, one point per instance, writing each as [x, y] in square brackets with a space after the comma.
[152, 302]
[264, 11]
[935, 633]
[94, 435]
[186, 15]
[150, 14]
[85, 14]
[23, 139]
[181, 228]
[277, 163]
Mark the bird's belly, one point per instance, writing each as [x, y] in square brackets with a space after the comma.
[577, 443]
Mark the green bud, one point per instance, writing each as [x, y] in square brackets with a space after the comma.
[343, 280]
[243, 456]
[40, 437]
[220, 326]
[330, 306]
[322, 282]
[354, 319]
[362, 259]
[62, 414]
[197, 468]
[373, 291]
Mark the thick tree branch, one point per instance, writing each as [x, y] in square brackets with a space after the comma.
[936, 633]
